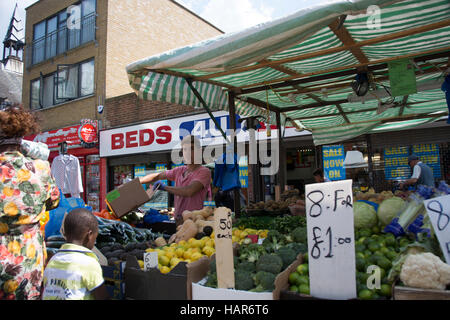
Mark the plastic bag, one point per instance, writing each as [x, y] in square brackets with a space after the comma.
[54, 225]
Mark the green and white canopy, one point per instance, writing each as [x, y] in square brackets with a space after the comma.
[302, 66]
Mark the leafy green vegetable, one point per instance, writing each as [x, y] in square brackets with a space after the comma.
[364, 215]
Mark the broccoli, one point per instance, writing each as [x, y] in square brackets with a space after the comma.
[287, 255]
[246, 266]
[269, 263]
[274, 241]
[265, 281]
[212, 280]
[251, 252]
[274, 236]
[243, 280]
[298, 247]
[300, 234]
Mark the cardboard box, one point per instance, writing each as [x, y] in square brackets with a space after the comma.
[407, 293]
[153, 285]
[200, 292]
[128, 197]
[116, 289]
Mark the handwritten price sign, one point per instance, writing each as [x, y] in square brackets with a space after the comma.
[331, 240]
[438, 210]
[150, 260]
[224, 248]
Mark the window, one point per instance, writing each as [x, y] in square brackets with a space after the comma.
[35, 91]
[52, 36]
[67, 83]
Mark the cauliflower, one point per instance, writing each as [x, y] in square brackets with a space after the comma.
[425, 271]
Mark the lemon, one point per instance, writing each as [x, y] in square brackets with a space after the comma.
[165, 270]
[213, 235]
[243, 235]
[174, 262]
[196, 255]
[149, 250]
[187, 255]
[188, 260]
[234, 239]
[182, 243]
[236, 233]
[194, 250]
[210, 243]
[179, 252]
[205, 238]
[191, 240]
[170, 254]
[141, 264]
[208, 251]
[164, 260]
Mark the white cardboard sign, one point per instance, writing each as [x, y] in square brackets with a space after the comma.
[438, 210]
[224, 248]
[150, 260]
[331, 240]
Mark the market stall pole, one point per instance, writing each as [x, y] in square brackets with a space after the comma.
[232, 110]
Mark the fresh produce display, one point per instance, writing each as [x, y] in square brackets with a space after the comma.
[194, 223]
[256, 266]
[188, 251]
[284, 224]
[389, 209]
[365, 215]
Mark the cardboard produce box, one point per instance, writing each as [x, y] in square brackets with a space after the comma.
[200, 292]
[128, 197]
[154, 285]
[407, 293]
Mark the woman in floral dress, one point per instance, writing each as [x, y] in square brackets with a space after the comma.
[27, 190]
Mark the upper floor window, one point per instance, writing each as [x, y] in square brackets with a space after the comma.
[67, 83]
[66, 30]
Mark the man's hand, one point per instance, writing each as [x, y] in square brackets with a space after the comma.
[159, 184]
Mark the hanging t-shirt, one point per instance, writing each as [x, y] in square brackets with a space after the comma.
[67, 173]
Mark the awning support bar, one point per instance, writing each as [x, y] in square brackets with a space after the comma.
[205, 106]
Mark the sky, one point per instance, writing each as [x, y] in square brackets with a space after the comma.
[227, 15]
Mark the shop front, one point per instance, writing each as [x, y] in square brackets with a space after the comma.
[138, 150]
[82, 143]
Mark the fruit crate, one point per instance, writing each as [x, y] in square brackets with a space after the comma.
[116, 289]
[407, 293]
[114, 273]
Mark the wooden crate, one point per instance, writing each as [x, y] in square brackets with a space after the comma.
[407, 293]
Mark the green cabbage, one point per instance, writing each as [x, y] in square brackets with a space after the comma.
[389, 209]
[365, 215]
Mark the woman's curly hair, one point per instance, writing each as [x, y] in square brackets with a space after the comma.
[15, 121]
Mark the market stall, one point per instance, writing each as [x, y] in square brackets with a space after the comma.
[339, 71]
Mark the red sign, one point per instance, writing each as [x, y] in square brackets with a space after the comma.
[88, 133]
[54, 137]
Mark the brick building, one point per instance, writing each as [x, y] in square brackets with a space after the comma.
[74, 61]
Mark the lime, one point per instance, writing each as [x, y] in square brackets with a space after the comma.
[382, 273]
[390, 239]
[384, 250]
[305, 257]
[360, 264]
[376, 229]
[386, 290]
[303, 280]
[303, 269]
[293, 277]
[373, 246]
[375, 296]
[365, 232]
[367, 253]
[361, 240]
[360, 247]
[293, 288]
[384, 263]
[391, 255]
[304, 288]
[360, 255]
[365, 294]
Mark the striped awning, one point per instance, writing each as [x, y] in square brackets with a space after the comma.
[302, 67]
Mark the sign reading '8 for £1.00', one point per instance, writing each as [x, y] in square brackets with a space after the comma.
[331, 244]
